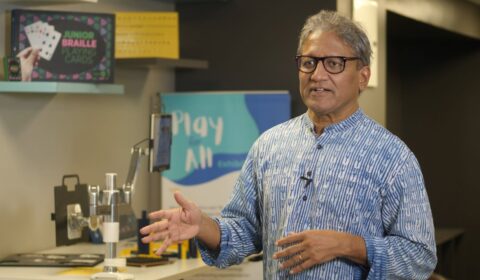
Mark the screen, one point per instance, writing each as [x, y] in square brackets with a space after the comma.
[160, 142]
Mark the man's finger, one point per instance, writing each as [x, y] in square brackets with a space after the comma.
[155, 237]
[302, 266]
[292, 250]
[155, 227]
[164, 246]
[161, 214]
[291, 238]
[182, 201]
[147, 229]
[292, 261]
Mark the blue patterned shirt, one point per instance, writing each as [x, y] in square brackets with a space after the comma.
[364, 181]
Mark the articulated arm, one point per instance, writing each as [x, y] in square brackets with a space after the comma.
[129, 186]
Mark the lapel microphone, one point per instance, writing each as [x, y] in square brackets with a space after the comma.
[308, 179]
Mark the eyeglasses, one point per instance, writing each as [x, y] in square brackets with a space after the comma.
[332, 64]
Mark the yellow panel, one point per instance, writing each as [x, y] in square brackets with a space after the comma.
[146, 34]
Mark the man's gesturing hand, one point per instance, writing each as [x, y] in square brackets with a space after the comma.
[173, 225]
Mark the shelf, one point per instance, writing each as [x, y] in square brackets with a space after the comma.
[162, 62]
[192, 1]
[60, 87]
[45, 2]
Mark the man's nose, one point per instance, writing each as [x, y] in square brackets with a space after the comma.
[320, 73]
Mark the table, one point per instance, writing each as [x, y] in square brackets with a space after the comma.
[447, 240]
[177, 270]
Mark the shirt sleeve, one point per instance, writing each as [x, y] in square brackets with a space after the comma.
[239, 223]
[408, 250]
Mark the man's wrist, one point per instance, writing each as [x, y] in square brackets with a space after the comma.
[354, 248]
[203, 226]
[209, 232]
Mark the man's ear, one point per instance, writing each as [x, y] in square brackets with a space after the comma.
[364, 77]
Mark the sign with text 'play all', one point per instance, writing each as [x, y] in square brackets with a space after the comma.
[212, 134]
[74, 47]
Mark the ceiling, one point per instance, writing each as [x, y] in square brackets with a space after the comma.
[404, 29]
[474, 1]
[458, 16]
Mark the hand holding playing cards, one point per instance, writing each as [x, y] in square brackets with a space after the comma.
[43, 36]
[28, 60]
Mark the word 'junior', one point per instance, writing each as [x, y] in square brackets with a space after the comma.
[79, 39]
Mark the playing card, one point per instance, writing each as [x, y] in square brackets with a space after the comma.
[49, 42]
[37, 33]
[42, 28]
[33, 35]
[49, 28]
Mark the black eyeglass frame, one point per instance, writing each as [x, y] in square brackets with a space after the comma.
[322, 59]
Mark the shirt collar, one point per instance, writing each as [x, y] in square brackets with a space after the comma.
[336, 127]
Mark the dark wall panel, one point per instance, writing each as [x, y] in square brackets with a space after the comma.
[433, 92]
[250, 44]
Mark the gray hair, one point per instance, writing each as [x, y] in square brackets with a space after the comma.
[346, 29]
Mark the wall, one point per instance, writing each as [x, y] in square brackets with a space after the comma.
[43, 136]
[373, 98]
[249, 44]
[433, 106]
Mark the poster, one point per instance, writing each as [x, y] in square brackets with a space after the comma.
[212, 134]
[75, 47]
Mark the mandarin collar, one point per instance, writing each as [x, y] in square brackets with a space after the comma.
[336, 127]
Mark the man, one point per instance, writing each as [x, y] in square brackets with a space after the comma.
[327, 195]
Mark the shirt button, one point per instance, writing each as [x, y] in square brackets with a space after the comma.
[319, 146]
[304, 197]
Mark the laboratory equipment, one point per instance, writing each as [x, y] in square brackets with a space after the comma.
[106, 205]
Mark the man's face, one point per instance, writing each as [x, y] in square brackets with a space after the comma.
[331, 95]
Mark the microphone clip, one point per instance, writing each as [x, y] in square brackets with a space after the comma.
[307, 178]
